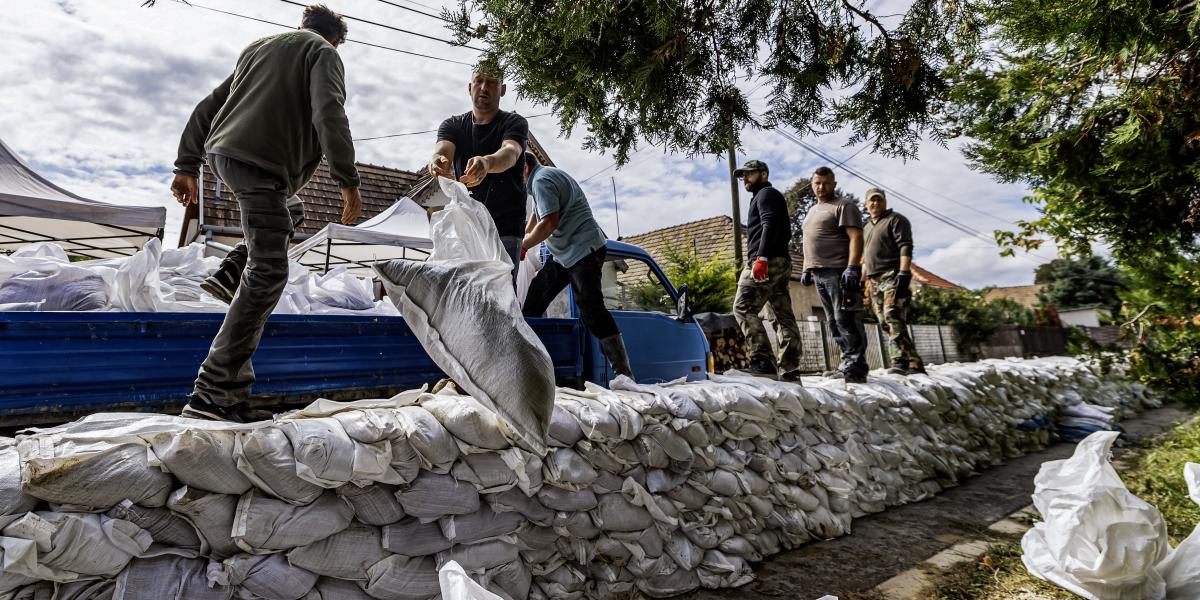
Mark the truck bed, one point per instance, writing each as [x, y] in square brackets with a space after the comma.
[55, 365]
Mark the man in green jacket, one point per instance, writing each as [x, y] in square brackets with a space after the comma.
[264, 130]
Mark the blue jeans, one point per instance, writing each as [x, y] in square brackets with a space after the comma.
[844, 315]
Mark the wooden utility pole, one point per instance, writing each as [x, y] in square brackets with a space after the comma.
[737, 203]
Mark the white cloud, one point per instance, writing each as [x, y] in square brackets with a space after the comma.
[96, 96]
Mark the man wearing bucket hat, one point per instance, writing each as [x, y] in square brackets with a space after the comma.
[887, 264]
[765, 278]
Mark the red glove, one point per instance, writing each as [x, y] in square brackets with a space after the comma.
[523, 251]
[759, 270]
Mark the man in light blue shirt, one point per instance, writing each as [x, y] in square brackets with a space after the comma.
[563, 219]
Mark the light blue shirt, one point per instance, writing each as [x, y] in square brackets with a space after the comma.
[577, 234]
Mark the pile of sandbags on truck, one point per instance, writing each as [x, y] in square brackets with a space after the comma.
[41, 277]
[643, 489]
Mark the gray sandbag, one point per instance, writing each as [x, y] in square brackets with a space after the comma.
[514, 500]
[211, 514]
[267, 576]
[511, 580]
[98, 475]
[12, 500]
[328, 456]
[430, 496]
[403, 578]
[163, 525]
[346, 554]
[479, 525]
[411, 537]
[565, 468]
[564, 430]
[168, 578]
[85, 590]
[263, 523]
[67, 289]
[614, 512]
[373, 504]
[660, 585]
[265, 456]
[466, 315]
[328, 588]
[82, 543]
[484, 555]
[566, 500]
[202, 459]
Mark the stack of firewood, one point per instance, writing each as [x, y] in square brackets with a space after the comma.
[725, 340]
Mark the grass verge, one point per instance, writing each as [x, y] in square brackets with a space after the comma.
[1153, 471]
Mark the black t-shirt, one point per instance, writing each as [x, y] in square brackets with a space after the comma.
[502, 193]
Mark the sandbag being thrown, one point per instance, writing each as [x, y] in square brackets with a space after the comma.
[462, 306]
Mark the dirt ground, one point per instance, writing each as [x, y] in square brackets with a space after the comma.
[885, 544]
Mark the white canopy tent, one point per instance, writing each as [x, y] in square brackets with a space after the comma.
[401, 231]
[32, 209]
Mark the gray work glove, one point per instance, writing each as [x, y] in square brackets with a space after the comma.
[852, 277]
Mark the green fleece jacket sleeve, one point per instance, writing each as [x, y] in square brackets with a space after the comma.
[191, 144]
[328, 95]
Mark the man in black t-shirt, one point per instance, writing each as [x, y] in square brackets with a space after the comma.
[483, 149]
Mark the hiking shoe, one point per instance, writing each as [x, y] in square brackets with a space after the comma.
[219, 288]
[898, 368]
[834, 374]
[854, 378]
[792, 376]
[760, 368]
[241, 412]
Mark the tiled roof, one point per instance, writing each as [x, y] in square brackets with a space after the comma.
[1025, 295]
[924, 277]
[381, 187]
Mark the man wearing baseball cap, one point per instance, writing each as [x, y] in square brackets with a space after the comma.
[765, 279]
[887, 263]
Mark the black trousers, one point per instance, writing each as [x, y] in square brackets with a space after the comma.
[584, 277]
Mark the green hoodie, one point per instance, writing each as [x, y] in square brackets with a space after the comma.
[280, 110]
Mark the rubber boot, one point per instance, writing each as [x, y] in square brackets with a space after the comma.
[614, 348]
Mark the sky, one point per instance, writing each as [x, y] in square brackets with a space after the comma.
[96, 94]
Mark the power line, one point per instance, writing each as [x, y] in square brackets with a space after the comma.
[419, 12]
[393, 28]
[407, 133]
[352, 41]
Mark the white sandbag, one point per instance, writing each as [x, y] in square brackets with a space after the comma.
[403, 578]
[163, 525]
[428, 438]
[480, 525]
[488, 472]
[430, 496]
[201, 458]
[462, 306]
[340, 289]
[211, 514]
[265, 456]
[564, 429]
[269, 577]
[1096, 539]
[468, 419]
[12, 500]
[56, 469]
[263, 524]
[411, 537]
[168, 578]
[1180, 570]
[344, 555]
[455, 585]
[373, 504]
[565, 468]
[328, 457]
[69, 546]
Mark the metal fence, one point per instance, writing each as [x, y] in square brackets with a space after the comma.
[935, 343]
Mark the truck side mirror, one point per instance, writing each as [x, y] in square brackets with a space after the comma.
[683, 312]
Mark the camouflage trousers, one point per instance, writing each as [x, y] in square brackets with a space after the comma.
[751, 296]
[891, 308]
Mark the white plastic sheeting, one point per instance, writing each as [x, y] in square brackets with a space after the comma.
[651, 489]
[40, 277]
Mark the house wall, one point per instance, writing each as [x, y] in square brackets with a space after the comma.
[1087, 317]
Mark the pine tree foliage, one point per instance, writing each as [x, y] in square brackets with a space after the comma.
[666, 72]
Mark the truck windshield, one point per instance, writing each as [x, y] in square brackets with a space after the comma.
[630, 284]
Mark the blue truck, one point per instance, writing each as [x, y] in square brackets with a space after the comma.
[54, 366]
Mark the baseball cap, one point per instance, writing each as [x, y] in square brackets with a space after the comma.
[751, 165]
[875, 192]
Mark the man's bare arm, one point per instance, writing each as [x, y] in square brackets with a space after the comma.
[856, 245]
[442, 162]
[499, 161]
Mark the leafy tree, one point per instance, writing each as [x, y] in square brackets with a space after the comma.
[1083, 282]
[974, 318]
[1162, 309]
[800, 198]
[711, 284]
[1093, 104]
[667, 72]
